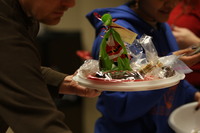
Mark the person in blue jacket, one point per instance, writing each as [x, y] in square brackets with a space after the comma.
[142, 111]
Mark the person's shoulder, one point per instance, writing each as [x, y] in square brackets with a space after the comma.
[102, 11]
[110, 10]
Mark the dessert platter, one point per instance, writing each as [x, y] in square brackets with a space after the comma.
[124, 65]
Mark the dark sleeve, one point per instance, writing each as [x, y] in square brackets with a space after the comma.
[53, 80]
[25, 103]
[52, 77]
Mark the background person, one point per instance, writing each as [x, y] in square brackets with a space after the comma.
[185, 23]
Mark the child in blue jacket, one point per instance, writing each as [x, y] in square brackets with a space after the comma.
[143, 111]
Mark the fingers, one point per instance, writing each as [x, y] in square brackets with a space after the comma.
[197, 98]
[183, 51]
[174, 28]
[72, 87]
[179, 29]
[84, 92]
[91, 93]
[187, 51]
[191, 60]
[87, 92]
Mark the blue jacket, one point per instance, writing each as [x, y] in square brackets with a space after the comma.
[143, 111]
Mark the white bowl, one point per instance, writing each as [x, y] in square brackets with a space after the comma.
[185, 119]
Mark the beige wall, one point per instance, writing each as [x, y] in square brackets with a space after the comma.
[87, 29]
[74, 20]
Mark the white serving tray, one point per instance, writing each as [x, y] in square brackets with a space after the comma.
[129, 86]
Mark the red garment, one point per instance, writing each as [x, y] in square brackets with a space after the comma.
[189, 18]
